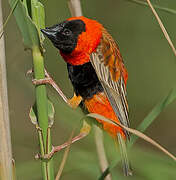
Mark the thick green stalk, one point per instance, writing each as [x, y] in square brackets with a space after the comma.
[42, 113]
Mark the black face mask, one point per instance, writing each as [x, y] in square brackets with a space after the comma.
[64, 36]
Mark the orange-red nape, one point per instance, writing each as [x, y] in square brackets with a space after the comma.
[100, 104]
[87, 42]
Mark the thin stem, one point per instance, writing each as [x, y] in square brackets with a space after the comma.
[10, 14]
[64, 157]
[6, 172]
[42, 113]
[13, 169]
[75, 7]
[162, 27]
[168, 10]
[101, 151]
[135, 132]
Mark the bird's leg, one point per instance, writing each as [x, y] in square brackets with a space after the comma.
[83, 133]
[73, 102]
[46, 80]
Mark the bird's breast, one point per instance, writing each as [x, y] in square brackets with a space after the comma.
[87, 85]
[84, 80]
[100, 104]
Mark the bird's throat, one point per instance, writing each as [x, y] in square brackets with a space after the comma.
[76, 58]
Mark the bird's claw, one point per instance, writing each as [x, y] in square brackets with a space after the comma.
[46, 80]
[45, 157]
[29, 72]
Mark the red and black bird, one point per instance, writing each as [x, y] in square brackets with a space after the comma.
[97, 72]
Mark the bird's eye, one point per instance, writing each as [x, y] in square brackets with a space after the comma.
[66, 32]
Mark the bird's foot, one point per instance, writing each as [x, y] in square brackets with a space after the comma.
[60, 147]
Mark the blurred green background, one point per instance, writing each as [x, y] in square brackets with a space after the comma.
[151, 66]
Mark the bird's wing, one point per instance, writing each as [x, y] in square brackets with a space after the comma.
[112, 74]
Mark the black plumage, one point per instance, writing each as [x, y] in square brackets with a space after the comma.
[84, 80]
[64, 36]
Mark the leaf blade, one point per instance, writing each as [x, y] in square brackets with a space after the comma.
[25, 24]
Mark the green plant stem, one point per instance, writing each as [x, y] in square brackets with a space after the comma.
[42, 113]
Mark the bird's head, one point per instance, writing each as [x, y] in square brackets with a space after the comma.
[76, 38]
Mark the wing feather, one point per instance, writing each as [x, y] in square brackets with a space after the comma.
[112, 74]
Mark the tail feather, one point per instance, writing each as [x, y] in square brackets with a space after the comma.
[123, 150]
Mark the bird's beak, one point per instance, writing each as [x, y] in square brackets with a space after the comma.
[49, 32]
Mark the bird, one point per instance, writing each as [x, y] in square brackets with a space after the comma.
[97, 73]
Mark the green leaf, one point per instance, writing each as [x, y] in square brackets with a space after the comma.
[25, 24]
[145, 124]
[51, 113]
[33, 114]
[154, 113]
